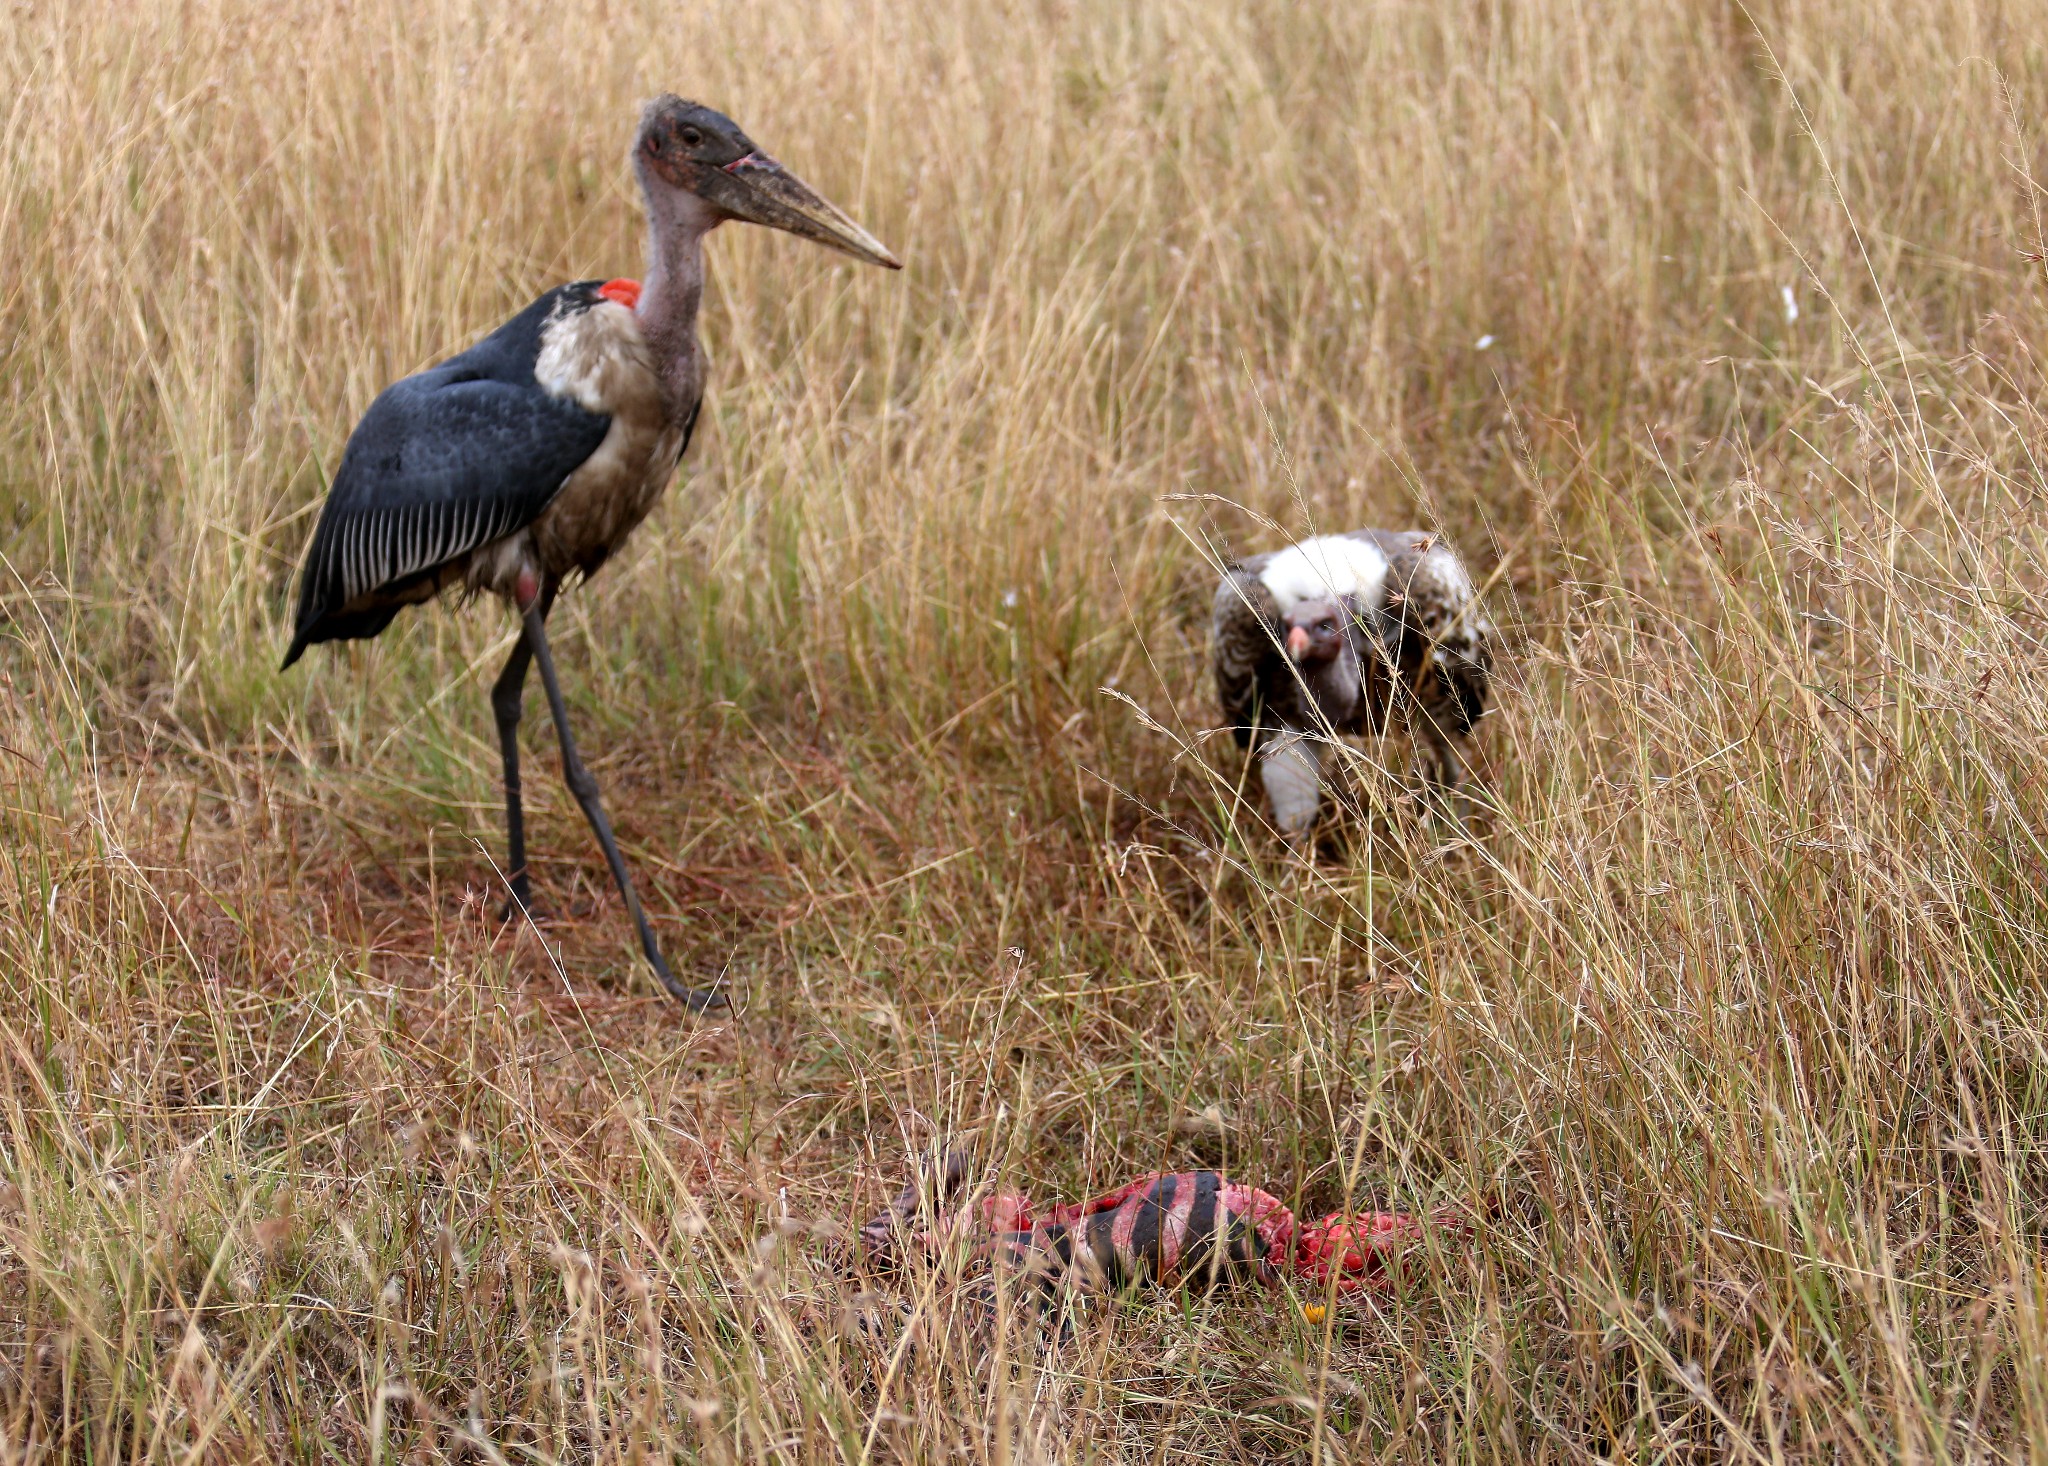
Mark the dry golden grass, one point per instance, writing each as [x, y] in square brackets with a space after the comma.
[1727, 1029]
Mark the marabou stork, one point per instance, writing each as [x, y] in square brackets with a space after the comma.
[533, 454]
[1337, 635]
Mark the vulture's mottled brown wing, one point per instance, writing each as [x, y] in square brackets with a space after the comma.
[1245, 630]
[1432, 613]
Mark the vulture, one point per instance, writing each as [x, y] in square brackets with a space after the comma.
[1342, 634]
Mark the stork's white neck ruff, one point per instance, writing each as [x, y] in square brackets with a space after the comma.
[1326, 567]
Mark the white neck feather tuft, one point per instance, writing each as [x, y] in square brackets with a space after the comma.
[1327, 567]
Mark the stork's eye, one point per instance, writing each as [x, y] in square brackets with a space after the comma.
[692, 138]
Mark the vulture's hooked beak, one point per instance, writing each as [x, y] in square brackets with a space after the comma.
[770, 194]
[1297, 643]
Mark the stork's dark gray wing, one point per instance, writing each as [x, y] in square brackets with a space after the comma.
[442, 464]
[1245, 630]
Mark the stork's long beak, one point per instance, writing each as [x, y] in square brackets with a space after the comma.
[770, 194]
[1297, 643]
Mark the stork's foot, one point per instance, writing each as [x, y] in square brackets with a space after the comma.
[521, 905]
[697, 1000]
[584, 787]
[539, 913]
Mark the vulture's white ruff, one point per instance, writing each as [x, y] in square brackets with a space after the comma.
[1329, 567]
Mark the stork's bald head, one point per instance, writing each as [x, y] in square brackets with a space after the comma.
[687, 148]
[1313, 632]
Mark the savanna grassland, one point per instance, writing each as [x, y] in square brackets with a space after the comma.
[1711, 336]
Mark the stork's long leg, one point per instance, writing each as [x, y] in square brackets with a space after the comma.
[508, 701]
[584, 787]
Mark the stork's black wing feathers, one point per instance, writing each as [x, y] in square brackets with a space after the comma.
[443, 463]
